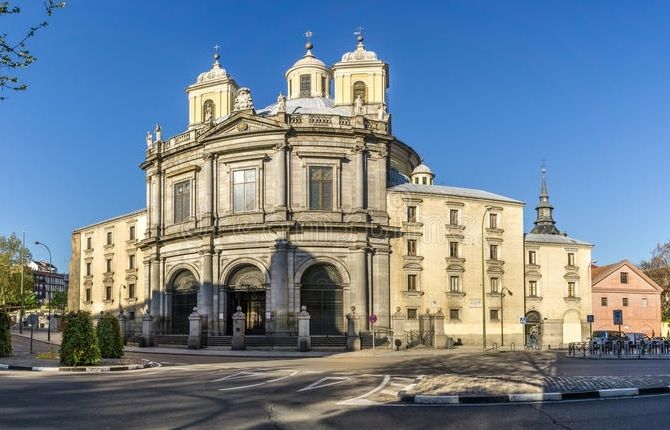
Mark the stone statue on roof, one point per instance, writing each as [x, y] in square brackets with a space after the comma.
[358, 105]
[243, 100]
[281, 103]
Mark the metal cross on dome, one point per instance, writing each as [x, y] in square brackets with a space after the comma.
[359, 31]
[308, 35]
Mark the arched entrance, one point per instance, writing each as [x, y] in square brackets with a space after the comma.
[246, 288]
[572, 327]
[533, 330]
[184, 291]
[321, 292]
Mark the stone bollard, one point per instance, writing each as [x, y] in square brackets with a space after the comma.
[304, 341]
[353, 336]
[147, 331]
[439, 338]
[123, 324]
[194, 330]
[398, 327]
[237, 343]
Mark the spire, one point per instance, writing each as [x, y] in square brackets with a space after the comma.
[544, 223]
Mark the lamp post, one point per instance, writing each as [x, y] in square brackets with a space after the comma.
[37, 242]
[502, 319]
[488, 208]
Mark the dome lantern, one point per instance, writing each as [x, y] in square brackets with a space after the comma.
[309, 76]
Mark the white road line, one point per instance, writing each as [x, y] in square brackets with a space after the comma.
[318, 384]
[239, 375]
[362, 401]
[390, 393]
[260, 383]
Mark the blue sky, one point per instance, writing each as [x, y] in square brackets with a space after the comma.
[483, 90]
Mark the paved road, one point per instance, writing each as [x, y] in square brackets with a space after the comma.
[345, 391]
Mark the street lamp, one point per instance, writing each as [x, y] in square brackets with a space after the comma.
[37, 242]
[502, 320]
[488, 208]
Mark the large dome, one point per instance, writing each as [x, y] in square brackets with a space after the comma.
[422, 168]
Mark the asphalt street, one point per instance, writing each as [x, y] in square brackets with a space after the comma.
[341, 391]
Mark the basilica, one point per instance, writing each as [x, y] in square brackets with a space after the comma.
[312, 201]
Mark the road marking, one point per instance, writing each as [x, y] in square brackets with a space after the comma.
[239, 375]
[362, 401]
[260, 383]
[390, 393]
[318, 384]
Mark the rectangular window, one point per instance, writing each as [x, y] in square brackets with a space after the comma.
[131, 315]
[453, 249]
[244, 190]
[305, 86]
[494, 314]
[411, 213]
[411, 282]
[109, 265]
[411, 247]
[571, 258]
[454, 314]
[532, 288]
[131, 291]
[182, 201]
[493, 220]
[624, 277]
[131, 261]
[603, 301]
[493, 252]
[412, 313]
[131, 232]
[109, 238]
[108, 293]
[321, 188]
[88, 295]
[572, 289]
[89, 243]
[532, 257]
[453, 216]
[645, 302]
[454, 284]
[88, 269]
[624, 301]
[495, 285]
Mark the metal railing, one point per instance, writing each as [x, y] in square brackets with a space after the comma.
[620, 348]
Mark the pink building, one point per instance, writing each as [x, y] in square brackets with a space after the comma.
[623, 286]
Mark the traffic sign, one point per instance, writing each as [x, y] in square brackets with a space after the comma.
[372, 318]
[617, 315]
[590, 319]
[522, 320]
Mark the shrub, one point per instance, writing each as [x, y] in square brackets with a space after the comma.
[80, 345]
[109, 337]
[5, 336]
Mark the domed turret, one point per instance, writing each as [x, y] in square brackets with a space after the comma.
[422, 175]
[309, 76]
[212, 95]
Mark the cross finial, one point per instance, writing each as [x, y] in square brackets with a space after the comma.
[216, 53]
[544, 166]
[359, 33]
[308, 36]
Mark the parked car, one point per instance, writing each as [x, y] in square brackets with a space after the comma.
[607, 336]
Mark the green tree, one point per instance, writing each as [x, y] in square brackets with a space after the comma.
[14, 53]
[80, 344]
[658, 269]
[109, 337]
[14, 256]
[5, 336]
[59, 300]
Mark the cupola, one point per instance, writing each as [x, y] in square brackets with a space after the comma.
[361, 74]
[422, 175]
[309, 76]
[212, 96]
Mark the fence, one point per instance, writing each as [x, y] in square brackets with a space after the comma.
[620, 349]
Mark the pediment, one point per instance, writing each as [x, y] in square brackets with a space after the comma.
[241, 123]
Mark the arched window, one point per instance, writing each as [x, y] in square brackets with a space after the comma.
[360, 89]
[208, 111]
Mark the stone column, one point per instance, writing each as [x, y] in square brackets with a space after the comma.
[439, 338]
[155, 286]
[239, 319]
[279, 288]
[381, 286]
[208, 196]
[206, 292]
[398, 327]
[359, 160]
[353, 334]
[147, 331]
[194, 330]
[304, 340]
[281, 176]
[425, 327]
[123, 324]
[359, 280]
[156, 204]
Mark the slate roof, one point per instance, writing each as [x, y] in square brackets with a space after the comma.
[451, 191]
[554, 238]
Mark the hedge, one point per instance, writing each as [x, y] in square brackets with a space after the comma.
[5, 336]
[109, 337]
[80, 344]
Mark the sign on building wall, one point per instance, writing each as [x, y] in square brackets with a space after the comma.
[475, 303]
[617, 315]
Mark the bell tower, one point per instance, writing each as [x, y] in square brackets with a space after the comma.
[212, 96]
[361, 74]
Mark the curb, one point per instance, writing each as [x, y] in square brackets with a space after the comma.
[86, 369]
[531, 397]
